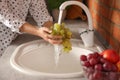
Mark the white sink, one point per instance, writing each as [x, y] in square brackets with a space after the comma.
[36, 58]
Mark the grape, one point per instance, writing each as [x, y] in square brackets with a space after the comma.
[113, 76]
[114, 68]
[98, 67]
[89, 56]
[66, 34]
[97, 75]
[86, 63]
[89, 72]
[57, 27]
[107, 66]
[93, 61]
[90, 77]
[96, 54]
[83, 58]
[103, 60]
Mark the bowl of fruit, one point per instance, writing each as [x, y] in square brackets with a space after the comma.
[101, 66]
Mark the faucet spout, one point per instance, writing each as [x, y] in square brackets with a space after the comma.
[86, 35]
[68, 3]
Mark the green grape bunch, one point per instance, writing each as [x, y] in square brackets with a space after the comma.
[60, 29]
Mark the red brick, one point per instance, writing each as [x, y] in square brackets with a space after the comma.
[117, 4]
[99, 26]
[95, 16]
[116, 33]
[111, 14]
[115, 17]
[106, 18]
[101, 31]
[111, 3]
[103, 22]
[115, 44]
[101, 9]
[95, 25]
[90, 4]
[107, 25]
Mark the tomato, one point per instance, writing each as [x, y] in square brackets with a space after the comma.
[111, 55]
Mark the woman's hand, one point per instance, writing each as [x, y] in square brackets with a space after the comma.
[44, 32]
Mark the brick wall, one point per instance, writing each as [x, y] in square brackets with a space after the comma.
[106, 20]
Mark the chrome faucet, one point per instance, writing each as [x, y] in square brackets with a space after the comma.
[87, 34]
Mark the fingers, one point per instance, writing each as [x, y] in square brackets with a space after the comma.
[45, 33]
[54, 39]
[47, 30]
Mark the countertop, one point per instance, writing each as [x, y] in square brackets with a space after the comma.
[7, 72]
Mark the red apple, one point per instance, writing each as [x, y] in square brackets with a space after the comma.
[111, 55]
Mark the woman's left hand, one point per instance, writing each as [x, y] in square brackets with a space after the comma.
[45, 33]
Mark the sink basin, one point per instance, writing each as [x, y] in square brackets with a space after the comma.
[37, 58]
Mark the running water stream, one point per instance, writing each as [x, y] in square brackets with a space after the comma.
[58, 47]
[57, 54]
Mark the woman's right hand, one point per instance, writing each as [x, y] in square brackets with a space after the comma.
[45, 33]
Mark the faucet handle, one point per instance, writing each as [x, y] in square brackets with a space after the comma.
[87, 36]
[86, 31]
